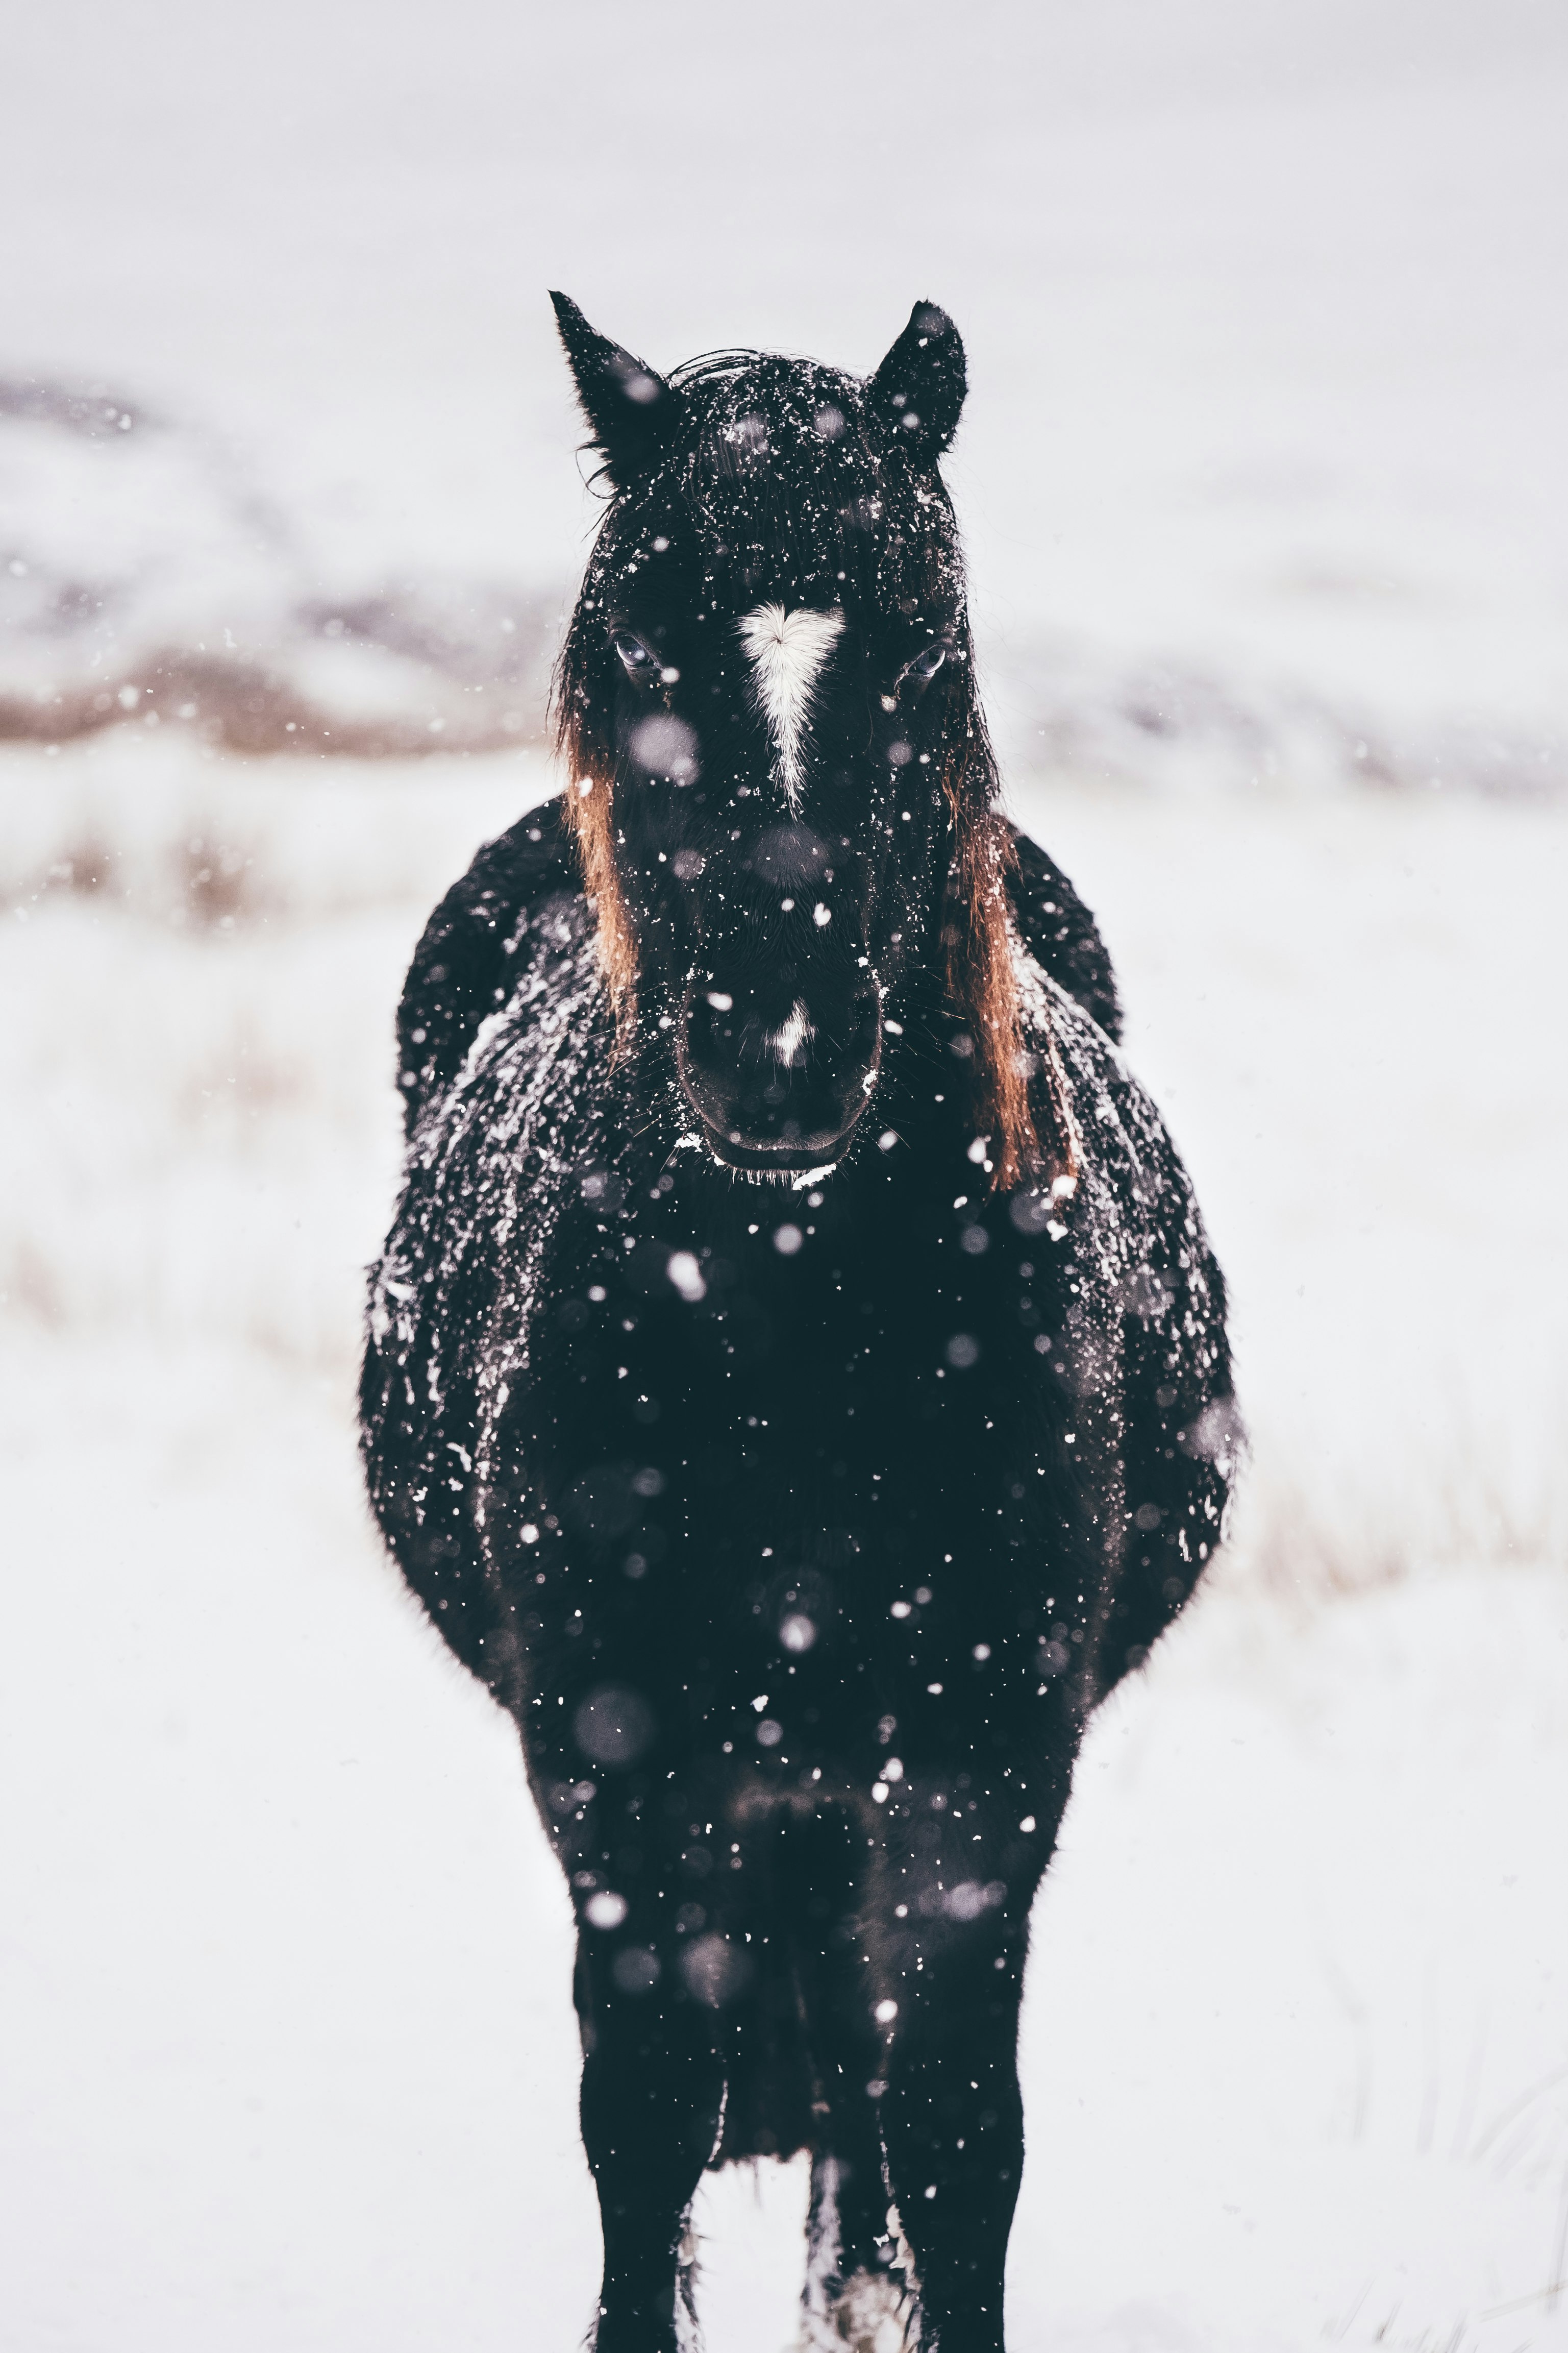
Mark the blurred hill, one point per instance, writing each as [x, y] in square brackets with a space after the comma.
[1263, 473]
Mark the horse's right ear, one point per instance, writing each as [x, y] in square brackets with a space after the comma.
[918, 389]
[629, 408]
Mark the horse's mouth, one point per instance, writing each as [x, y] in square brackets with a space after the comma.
[779, 1164]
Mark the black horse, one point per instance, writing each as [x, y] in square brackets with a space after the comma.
[797, 1381]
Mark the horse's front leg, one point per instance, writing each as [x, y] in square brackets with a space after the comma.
[952, 2117]
[653, 2086]
[854, 2300]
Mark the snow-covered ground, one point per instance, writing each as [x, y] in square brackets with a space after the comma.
[284, 1967]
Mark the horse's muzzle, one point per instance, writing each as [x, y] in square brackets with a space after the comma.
[779, 1078]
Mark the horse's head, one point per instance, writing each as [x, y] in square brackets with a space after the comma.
[780, 782]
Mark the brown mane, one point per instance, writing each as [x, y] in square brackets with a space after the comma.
[981, 946]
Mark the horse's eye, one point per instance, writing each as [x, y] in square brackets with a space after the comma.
[926, 665]
[636, 659]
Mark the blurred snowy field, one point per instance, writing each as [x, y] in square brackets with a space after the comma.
[1263, 463]
[284, 1967]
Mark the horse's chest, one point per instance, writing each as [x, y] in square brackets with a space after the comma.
[848, 1346]
[860, 1444]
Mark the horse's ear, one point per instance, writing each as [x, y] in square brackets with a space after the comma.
[918, 389]
[629, 408]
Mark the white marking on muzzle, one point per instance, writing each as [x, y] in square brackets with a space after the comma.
[796, 1031]
[787, 651]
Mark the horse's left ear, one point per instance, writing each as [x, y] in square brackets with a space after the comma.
[629, 408]
[918, 389]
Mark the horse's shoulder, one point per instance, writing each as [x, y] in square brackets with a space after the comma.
[480, 938]
[1061, 935]
[1133, 1189]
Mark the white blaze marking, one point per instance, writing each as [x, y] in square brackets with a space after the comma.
[786, 652]
[793, 1033]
